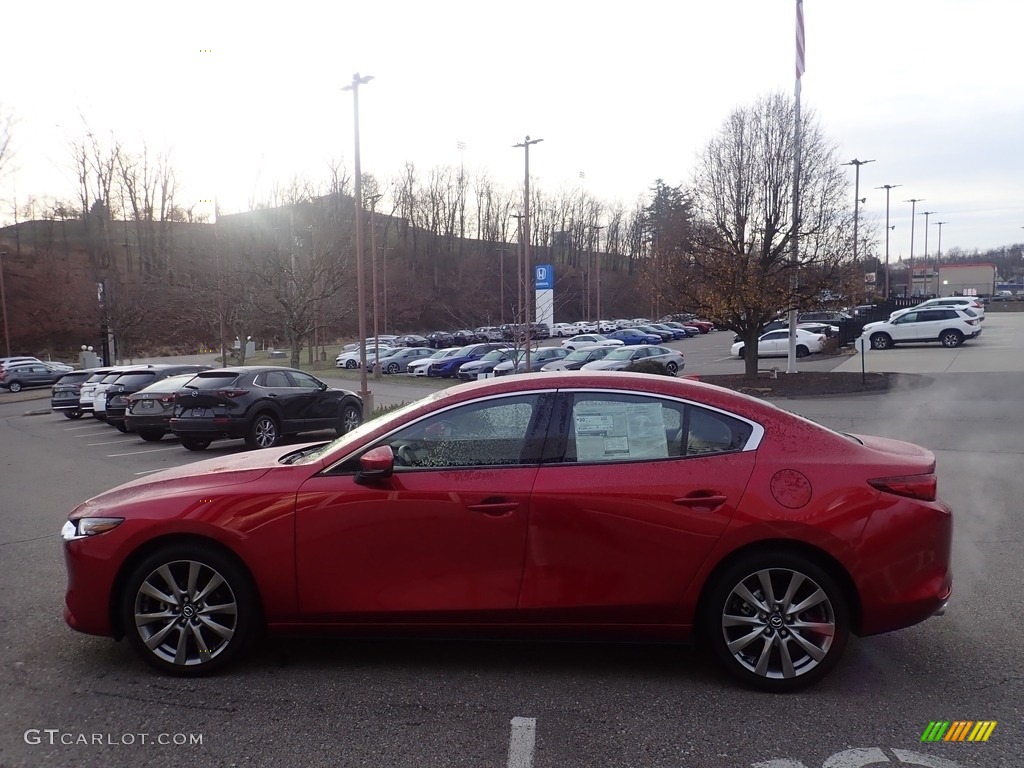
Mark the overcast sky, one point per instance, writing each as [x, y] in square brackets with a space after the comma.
[245, 94]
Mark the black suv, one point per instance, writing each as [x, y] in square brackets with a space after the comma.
[261, 404]
[132, 381]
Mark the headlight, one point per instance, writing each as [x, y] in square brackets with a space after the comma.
[84, 527]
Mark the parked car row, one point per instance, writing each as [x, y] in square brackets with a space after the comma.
[200, 404]
[17, 373]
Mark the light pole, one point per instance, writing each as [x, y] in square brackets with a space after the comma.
[926, 214]
[373, 285]
[938, 256]
[3, 302]
[596, 228]
[526, 232]
[856, 202]
[364, 391]
[887, 188]
[913, 206]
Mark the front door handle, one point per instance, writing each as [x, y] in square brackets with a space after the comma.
[495, 508]
[702, 503]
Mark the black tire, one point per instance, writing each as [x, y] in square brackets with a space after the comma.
[72, 414]
[195, 443]
[202, 631]
[264, 431]
[100, 416]
[351, 417]
[392, 368]
[802, 351]
[14, 386]
[350, 363]
[121, 427]
[672, 367]
[151, 435]
[881, 341]
[753, 641]
[951, 338]
[741, 352]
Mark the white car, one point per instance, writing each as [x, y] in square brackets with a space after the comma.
[563, 329]
[776, 344]
[590, 340]
[949, 326]
[419, 367]
[617, 359]
[351, 359]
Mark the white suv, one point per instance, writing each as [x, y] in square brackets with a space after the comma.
[956, 302]
[948, 325]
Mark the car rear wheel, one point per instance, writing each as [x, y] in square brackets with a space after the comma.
[152, 435]
[72, 414]
[264, 432]
[392, 368]
[672, 367]
[951, 338]
[802, 351]
[121, 427]
[881, 341]
[350, 419]
[195, 444]
[14, 386]
[188, 609]
[776, 622]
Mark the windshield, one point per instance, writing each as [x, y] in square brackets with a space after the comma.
[493, 355]
[621, 353]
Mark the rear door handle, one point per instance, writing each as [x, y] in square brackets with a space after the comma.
[707, 503]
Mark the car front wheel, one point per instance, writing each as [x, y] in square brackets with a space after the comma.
[72, 414]
[188, 609]
[350, 419]
[881, 341]
[263, 433]
[14, 386]
[776, 622]
[392, 368]
[152, 435]
[195, 444]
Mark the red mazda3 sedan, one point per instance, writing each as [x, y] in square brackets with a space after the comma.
[589, 505]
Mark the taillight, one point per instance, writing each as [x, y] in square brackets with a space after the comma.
[922, 487]
[232, 392]
[166, 399]
[972, 322]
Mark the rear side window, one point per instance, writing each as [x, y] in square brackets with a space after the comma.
[215, 381]
[621, 428]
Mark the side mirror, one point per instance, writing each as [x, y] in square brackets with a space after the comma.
[376, 464]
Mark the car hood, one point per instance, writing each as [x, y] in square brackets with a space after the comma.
[196, 477]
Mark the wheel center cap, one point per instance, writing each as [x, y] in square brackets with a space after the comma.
[188, 611]
[775, 621]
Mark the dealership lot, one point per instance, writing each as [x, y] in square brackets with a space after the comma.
[423, 703]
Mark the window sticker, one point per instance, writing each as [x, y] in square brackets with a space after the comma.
[612, 431]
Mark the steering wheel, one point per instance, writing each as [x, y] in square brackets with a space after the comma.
[406, 455]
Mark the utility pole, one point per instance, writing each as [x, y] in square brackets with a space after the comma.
[887, 188]
[856, 202]
[526, 231]
[913, 206]
[926, 214]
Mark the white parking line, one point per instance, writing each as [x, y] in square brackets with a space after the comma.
[84, 426]
[135, 453]
[522, 742]
[151, 471]
[111, 442]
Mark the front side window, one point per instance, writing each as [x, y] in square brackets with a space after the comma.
[614, 427]
[489, 433]
[305, 381]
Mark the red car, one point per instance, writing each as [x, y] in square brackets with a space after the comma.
[587, 505]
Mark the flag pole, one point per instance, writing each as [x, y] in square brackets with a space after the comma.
[795, 239]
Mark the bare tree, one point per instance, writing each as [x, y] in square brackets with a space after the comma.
[735, 262]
